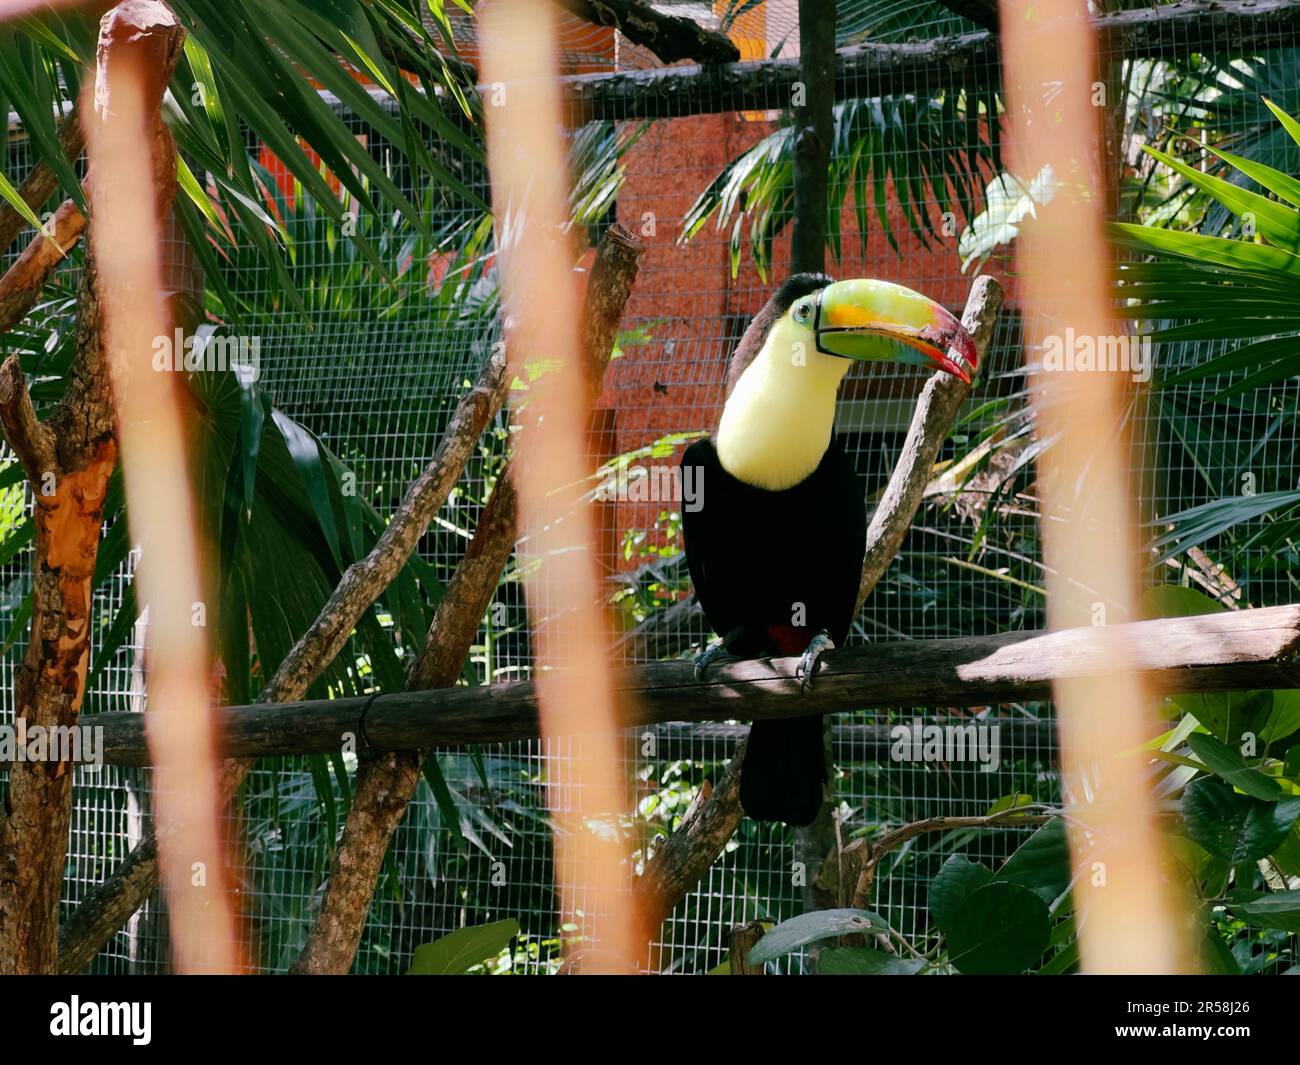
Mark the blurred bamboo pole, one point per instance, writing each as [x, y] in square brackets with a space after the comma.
[131, 158]
[1130, 917]
[572, 645]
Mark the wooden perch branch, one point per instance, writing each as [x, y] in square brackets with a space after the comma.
[670, 37]
[1233, 27]
[1232, 651]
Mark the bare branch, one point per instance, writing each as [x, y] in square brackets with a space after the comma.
[670, 37]
[874, 850]
[41, 181]
[31, 441]
[680, 860]
[365, 580]
[101, 913]
[22, 283]
[966, 60]
[935, 412]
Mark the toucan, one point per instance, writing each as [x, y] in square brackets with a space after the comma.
[776, 538]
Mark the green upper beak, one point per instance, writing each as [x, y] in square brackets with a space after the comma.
[856, 320]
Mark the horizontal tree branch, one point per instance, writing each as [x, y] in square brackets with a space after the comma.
[1217, 27]
[1232, 651]
[670, 37]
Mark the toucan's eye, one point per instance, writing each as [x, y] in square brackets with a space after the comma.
[802, 311]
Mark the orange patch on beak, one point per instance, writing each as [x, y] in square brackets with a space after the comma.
[850, 316]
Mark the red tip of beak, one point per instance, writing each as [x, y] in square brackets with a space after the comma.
[953, 367]
[946, 338]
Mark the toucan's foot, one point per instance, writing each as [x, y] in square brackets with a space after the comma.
[715, 652]
[807, 666]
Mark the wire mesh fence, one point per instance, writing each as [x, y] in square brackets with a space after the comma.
[377, 383]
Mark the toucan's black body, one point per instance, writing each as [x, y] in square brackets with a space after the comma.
[776, 548]
[756, 558]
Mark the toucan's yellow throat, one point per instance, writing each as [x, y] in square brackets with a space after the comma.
[778, 420]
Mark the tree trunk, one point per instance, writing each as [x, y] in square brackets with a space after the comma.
[68, 459]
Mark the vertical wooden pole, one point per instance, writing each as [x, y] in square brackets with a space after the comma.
[814, 119]
[813, 105]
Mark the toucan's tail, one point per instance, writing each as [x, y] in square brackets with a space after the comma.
[785, 770]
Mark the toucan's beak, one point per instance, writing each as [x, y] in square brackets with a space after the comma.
[853, 317]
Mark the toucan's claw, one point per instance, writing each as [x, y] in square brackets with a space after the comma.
[807, 666]
[715, 652]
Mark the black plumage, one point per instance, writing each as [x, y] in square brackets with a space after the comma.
[781, 566]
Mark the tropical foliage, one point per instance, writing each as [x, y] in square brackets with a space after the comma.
[1197, 286]
[927, 157]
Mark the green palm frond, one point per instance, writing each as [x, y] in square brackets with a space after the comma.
[1195, 286]
[281, 75]
[930, 157]
[1217, 116]
[1190, 288]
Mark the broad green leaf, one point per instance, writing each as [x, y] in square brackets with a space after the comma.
[1000, 929]
[460, 951]
[1232, 826]
[1215, 955]
[307, 458]
[1041, 863]
[1283, 718]
[1275, 221]
[1281, 909]
[957, 878]
[1010, 802]
[1175, 601]
[1286, 855]
[1228, 764]
[1264, 259]
[813, 927]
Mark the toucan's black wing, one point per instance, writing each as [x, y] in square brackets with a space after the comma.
[704, 535]
[835, 506]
